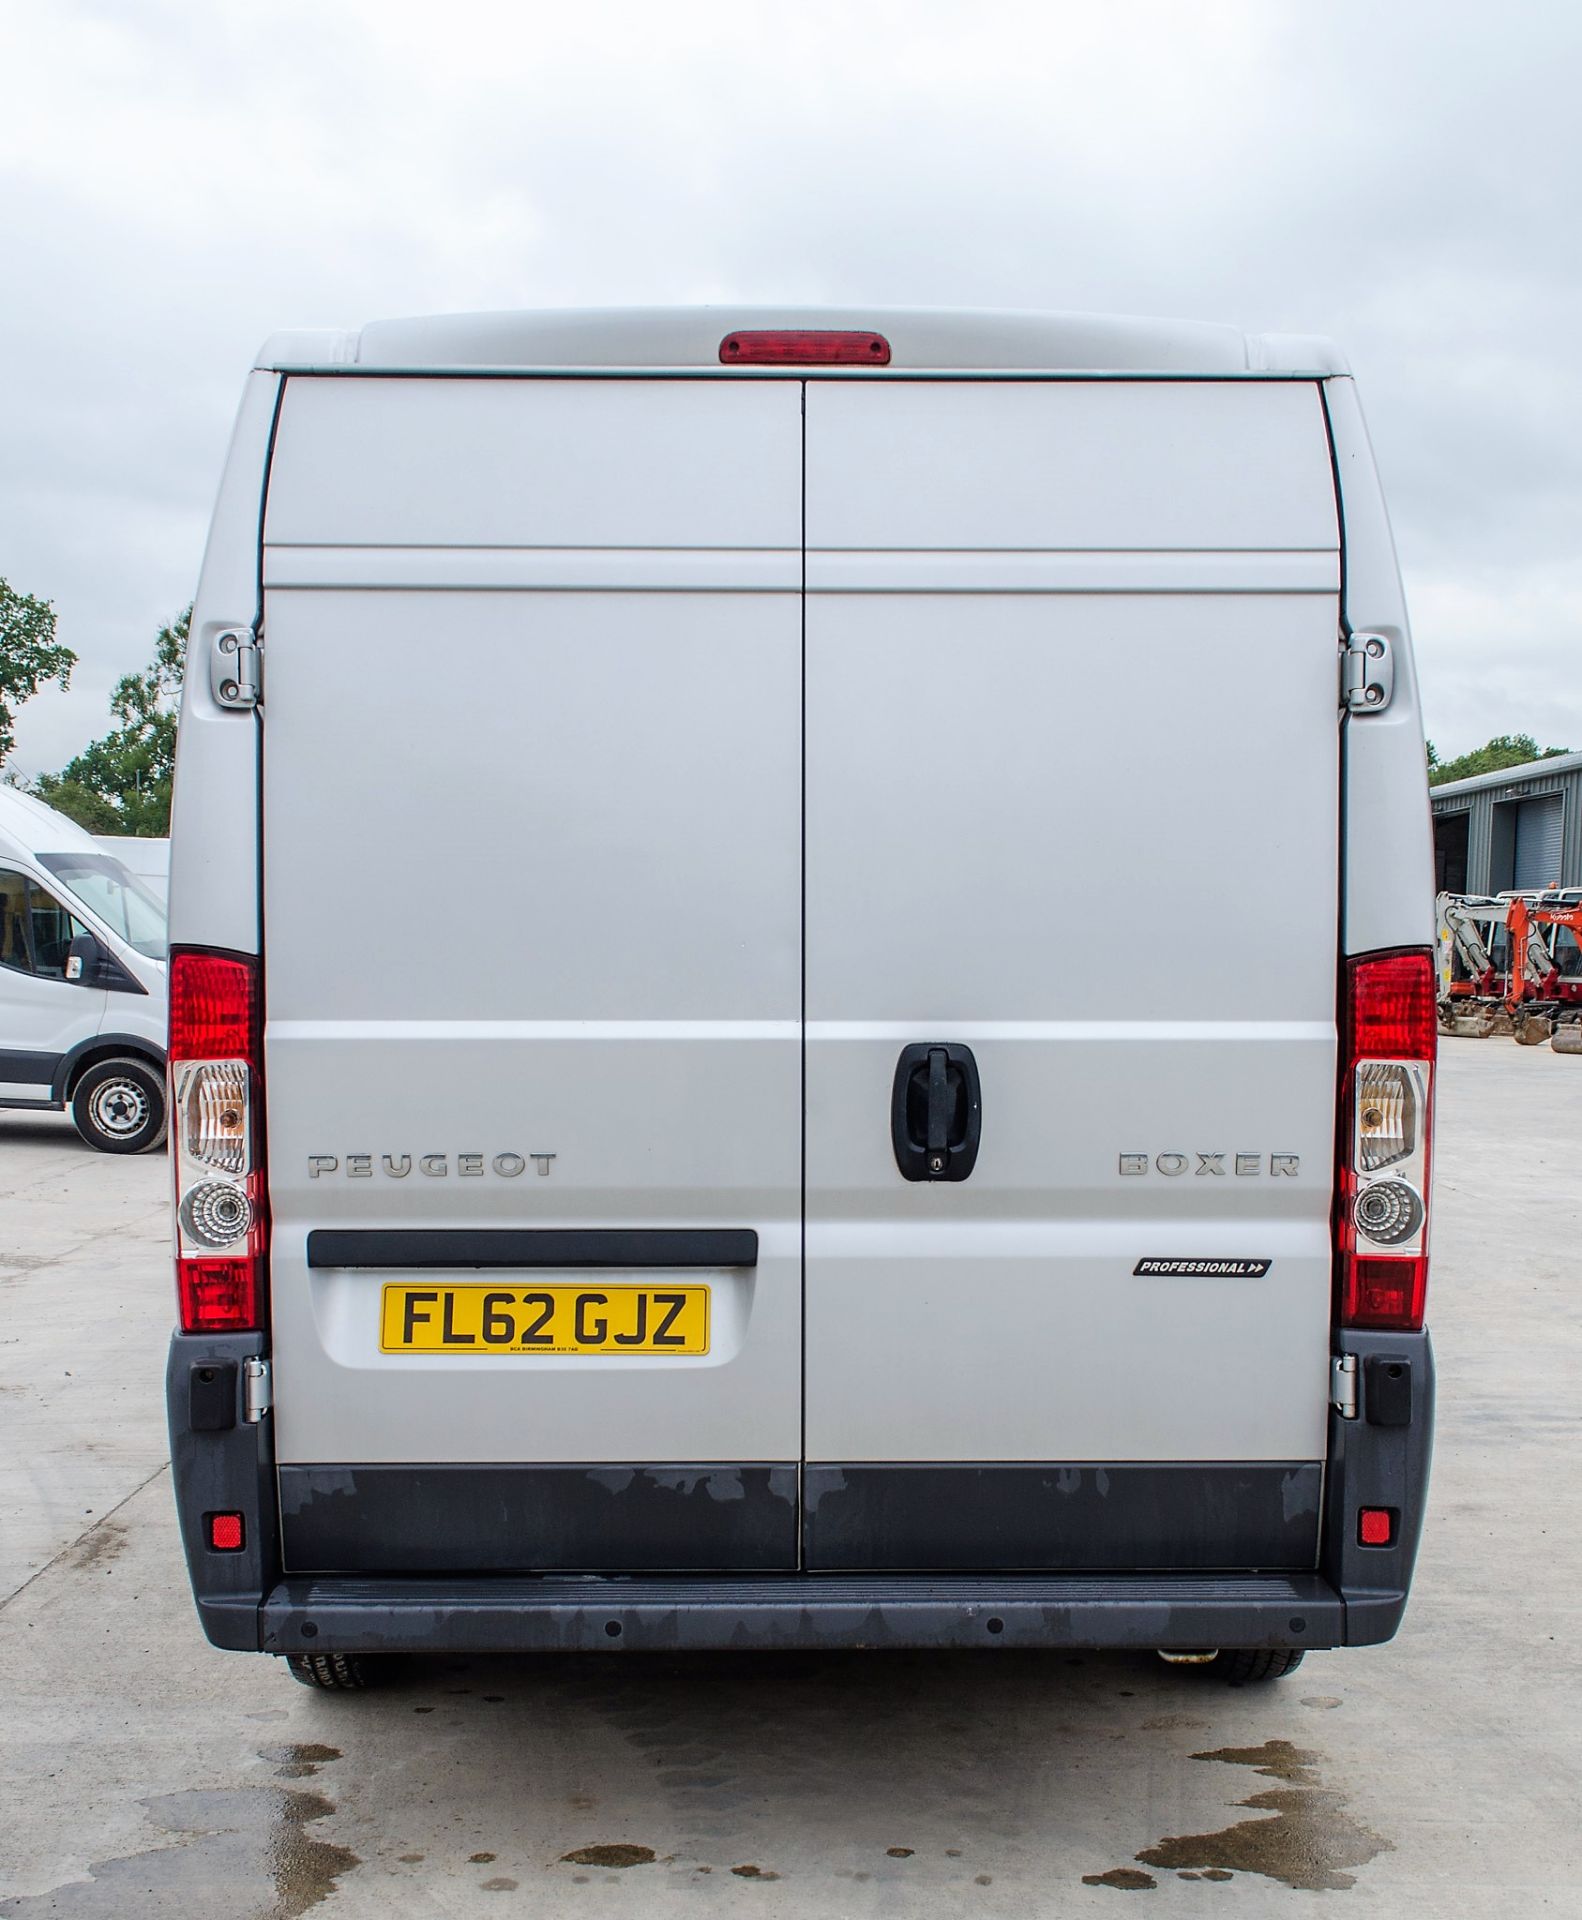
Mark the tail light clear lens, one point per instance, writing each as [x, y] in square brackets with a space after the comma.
[215, 1059]
[1389, 1036]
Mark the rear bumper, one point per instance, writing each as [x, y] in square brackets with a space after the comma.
[558, 1614]
[1355, 1597]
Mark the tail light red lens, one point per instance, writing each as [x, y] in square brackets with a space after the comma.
[217, 1296]
[216, 1105]
[1390, 1006]
[817, 347]
[1389, 1033]
[214, 1007]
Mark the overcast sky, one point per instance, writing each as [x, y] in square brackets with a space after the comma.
[181, 178]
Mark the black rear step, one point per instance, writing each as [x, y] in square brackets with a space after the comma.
[561, 1613]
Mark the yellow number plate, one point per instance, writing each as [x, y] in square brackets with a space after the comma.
[592, 1319]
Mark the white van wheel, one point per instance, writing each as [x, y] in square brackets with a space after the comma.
[118, 1106]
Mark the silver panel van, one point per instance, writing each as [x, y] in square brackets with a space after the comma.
[802, 998]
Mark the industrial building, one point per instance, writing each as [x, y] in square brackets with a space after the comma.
[1518, 828]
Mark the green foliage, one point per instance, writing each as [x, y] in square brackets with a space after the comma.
[30, 656]
[121, 784]
[1504, 750]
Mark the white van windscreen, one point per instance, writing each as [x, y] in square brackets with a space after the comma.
[116, 894]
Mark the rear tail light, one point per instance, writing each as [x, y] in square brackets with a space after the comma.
[216, 1025]
[1389, 1032]
[817, 347]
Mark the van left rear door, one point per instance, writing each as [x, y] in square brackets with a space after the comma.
[532, 871]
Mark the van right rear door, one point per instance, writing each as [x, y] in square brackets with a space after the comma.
[1072, 813]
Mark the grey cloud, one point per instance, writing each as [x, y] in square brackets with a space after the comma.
[175, 183]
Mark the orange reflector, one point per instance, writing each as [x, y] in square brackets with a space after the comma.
[1375, 1526]
[226, 1533]
[820, 347]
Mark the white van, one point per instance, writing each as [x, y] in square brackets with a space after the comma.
[683, 1139]
[82, 980]
[145, 857]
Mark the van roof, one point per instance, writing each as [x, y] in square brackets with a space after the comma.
[921, 339]
[33, 826]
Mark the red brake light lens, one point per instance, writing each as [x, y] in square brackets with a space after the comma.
[816, 347]
[214, 1007]
[1390, 1010]
[1377, 1291]
[217, 1296]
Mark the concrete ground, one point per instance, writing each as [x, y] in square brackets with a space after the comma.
[142, 1773]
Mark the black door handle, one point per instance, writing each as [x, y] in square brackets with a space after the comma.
[936, 1111]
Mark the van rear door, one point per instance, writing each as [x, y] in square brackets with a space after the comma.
[532, 878]
[1072, 753]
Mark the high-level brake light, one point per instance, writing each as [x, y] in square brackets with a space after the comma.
[1389, 1033]
[813, 347]
[217, 1140]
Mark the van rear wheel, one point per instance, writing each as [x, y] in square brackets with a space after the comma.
[334, 1672]
[118, 1106]
[1242, 1666]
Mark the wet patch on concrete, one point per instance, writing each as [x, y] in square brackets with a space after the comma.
[299, 1760]
[1127, 1879]
[501, 1885]
[245, 1853]
[98, 1546]
[1311, 1843]
[610, 1856]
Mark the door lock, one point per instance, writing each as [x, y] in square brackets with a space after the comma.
[936, 1111]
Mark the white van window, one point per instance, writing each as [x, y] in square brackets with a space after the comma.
[116, 894]
[36, 931]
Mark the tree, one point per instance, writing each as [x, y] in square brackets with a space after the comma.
[1504, 750]
[121, 784]
[30, 656]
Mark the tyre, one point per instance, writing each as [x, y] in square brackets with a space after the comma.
[1243, 1665]
[334, 1672]
[118, 1106]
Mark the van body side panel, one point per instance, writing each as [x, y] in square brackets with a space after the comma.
[550, 980]
[1389, 852]
[1045, 824]
[214, 823]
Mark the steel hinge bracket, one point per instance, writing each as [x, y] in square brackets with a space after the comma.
[1367, 673]
[1343, 1385]
[257, 1390]
[236, 668]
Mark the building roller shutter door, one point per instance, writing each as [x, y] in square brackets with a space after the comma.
[1538, 825]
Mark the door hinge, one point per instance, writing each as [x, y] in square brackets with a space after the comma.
[257, 1390]
[236, 667]
[1367, 673]
[1343, 1385]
